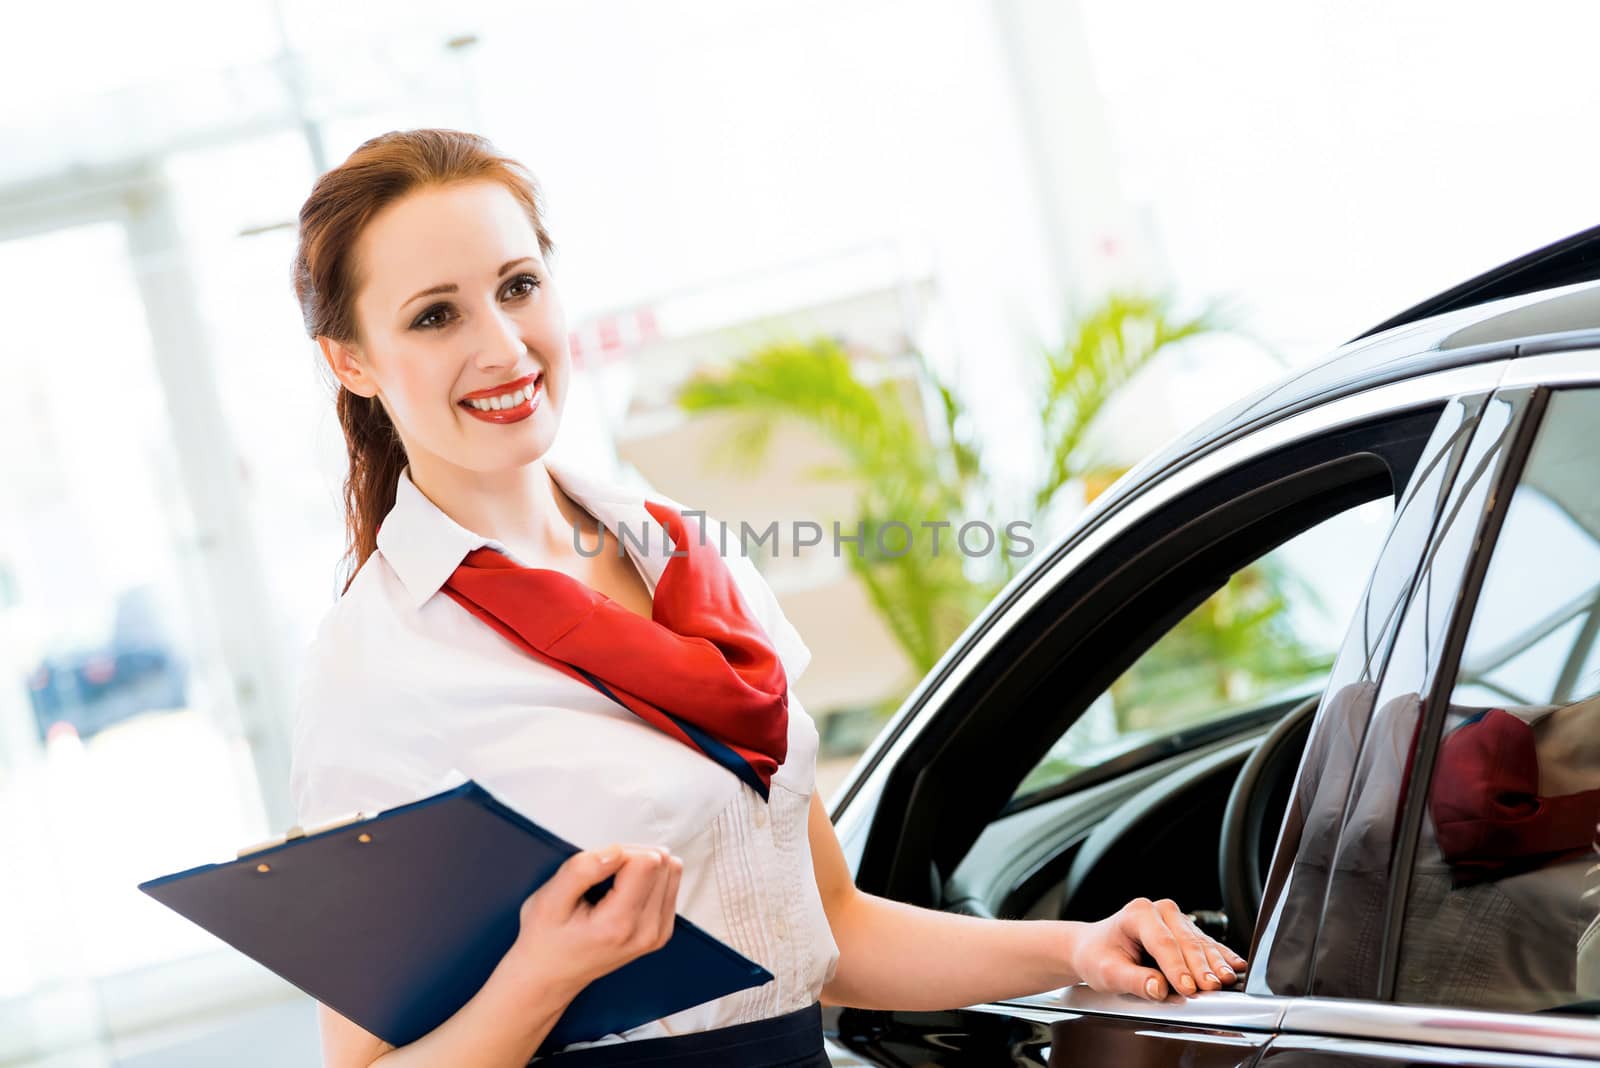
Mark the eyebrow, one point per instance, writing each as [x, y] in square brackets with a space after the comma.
[451, 287]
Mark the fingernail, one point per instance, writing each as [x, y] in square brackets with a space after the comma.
[1153, 988]
[1212, 978]
[1186, 984]
[1228, 973]
[608, 856]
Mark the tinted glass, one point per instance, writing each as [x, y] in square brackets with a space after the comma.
[1498, 913]
[1348, 960]
[1298, 878]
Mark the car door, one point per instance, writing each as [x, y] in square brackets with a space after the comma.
[1459, 905]
[1063, 642]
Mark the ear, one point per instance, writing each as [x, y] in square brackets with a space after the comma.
[347, 366]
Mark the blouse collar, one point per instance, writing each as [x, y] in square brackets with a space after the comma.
[424, 545]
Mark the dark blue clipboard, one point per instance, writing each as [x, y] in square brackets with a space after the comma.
[396, 933]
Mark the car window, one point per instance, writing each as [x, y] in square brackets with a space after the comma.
[1358, 762]
[1269, 634]
[1501, 908]
[1297, 883]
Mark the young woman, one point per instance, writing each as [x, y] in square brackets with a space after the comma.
[633, 696]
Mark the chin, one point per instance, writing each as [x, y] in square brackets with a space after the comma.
[523, 450]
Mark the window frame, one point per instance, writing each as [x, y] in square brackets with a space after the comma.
[1296, 887]
[1533, 403]
[1296, 481]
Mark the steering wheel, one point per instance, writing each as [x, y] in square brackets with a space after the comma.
[1253, 816]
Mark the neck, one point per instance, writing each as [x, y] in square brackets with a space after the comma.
[523, 507]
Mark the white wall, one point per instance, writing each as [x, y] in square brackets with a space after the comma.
[1333, 163]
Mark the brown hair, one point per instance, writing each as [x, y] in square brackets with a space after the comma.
[327, 278]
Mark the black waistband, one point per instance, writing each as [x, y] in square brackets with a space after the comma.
[793, 1039]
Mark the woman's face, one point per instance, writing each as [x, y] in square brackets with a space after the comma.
[455, 303]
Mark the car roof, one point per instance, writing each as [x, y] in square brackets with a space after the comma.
[1449, 331]
[1561, 263]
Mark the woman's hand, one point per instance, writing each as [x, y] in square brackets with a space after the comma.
[1110, 954]
[565, 942]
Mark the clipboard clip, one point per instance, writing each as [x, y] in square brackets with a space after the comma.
[300, 832]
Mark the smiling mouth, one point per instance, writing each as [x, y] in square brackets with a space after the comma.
[511, 395]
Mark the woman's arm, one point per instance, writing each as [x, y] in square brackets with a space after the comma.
[563, 943]
[898, 956]
[500, 1027]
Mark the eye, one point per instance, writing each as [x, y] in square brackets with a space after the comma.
[422, 321]
[532, 280]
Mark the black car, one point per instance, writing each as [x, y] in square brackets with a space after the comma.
[1401, 831]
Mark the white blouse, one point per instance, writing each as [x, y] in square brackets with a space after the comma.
[404, 693]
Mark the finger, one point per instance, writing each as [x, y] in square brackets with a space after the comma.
[634, 882]
[1230, 960]
[669, 902]
[663, 876]
[1220, 965]
[1193, 943]
[1125, 977]
[579, 872]
[650, 913]
[1151, 931]
[674, 880]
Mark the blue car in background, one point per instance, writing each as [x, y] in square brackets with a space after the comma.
[138, 669]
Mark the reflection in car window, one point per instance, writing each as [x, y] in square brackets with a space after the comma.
[1501, 910]
[1348, 960]
[1268, 635]
[1297, 883]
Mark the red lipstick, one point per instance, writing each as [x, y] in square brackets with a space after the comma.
[518, 383]
[530, 390]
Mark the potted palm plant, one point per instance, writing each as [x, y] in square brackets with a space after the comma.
[914, 459]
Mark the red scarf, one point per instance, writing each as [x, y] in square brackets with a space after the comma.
[700, 668]
[1488, 814]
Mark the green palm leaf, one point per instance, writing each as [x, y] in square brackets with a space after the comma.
[920, 464]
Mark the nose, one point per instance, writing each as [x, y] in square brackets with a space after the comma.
[501, 344]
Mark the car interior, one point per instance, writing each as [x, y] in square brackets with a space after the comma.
[1191, 813]
[1194, 818]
